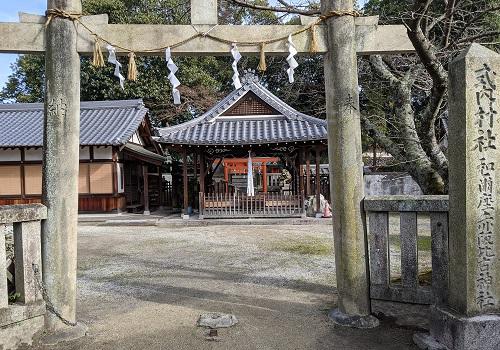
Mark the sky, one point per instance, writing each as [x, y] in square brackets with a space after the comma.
[8, 13]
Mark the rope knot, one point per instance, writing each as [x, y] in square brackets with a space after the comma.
[58, 13]
[341, 13]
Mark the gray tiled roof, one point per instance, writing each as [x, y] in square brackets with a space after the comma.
[105, 123]
[213, 129]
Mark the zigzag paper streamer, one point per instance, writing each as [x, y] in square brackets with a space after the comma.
[172, 78]
[291, 60]
[112, 59]
[237, 57]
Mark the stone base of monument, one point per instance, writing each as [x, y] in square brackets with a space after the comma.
[361, 322]
[449, 331]
[64, 334]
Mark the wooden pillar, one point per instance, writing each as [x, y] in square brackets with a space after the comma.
[226, 177]
[264, 177]
[308, 172]
[145, 179]
[185, 182]
[202, 173]
[139, 173]
[301, 172]
[346, 167]
[60, 165]
[195, 176]
[318, 181]
[160, 188]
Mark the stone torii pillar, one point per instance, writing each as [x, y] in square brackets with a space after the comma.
[346, 169]
[60, 171]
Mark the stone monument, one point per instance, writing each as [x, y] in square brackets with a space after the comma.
[469, 318]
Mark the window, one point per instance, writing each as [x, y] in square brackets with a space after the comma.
[101, 178]
[10, 180]
[33, 179]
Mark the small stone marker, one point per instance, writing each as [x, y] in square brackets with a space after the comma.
[216, 320]
[470, 317]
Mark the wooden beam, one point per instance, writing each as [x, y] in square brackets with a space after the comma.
[371, 39]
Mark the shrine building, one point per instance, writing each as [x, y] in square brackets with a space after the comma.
[118, 156]
[251, 131]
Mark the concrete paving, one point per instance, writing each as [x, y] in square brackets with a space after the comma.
[145, 288]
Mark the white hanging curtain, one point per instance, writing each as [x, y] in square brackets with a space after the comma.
[250, 187]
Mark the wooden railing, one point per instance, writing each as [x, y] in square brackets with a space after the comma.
[232, 205]
[410, 286]
[21, 303]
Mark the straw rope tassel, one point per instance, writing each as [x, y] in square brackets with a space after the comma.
[262, 63]
[132, 67]
[98, 57]
[313, 48]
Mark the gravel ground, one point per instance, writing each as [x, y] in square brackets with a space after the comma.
[144, 288]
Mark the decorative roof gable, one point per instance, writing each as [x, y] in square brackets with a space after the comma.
[226, 124]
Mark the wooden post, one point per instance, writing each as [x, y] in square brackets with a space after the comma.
[318, 181]
[301, 172]
[195, 176]
[308, 172]
[346, 168]
[202, 185]
[160, 188]
[226, 177]
[145, 178]
[264, 177]
[185, 184]
[60, 165]
[202, 173]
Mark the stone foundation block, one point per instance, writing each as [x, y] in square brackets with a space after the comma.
[455, 332]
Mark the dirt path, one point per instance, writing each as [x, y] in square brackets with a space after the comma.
[144, 288]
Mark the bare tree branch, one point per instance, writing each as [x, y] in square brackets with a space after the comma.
[284, 8]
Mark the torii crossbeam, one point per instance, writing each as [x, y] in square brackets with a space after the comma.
[63, 40]
[28, 36]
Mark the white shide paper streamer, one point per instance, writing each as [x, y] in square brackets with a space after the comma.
[291, 60]
[237, 57]
[172, 78]
[112, 59]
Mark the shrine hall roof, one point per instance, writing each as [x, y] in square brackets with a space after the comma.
[249, 115]
[105, 123]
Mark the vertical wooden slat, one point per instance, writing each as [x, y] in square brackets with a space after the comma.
[409, 251]
[4, 293]
[264, 203]
[439, 248]
[226, 199]
[27, 246]
[379, 248]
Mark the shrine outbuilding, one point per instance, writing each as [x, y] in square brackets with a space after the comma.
[251, 131]
[118, 156]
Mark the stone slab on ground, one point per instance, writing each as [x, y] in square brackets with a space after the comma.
[216, 320]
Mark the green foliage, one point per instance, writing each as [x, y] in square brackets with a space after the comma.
[13, 297]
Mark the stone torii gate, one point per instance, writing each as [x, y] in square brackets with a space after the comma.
[64, 40]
